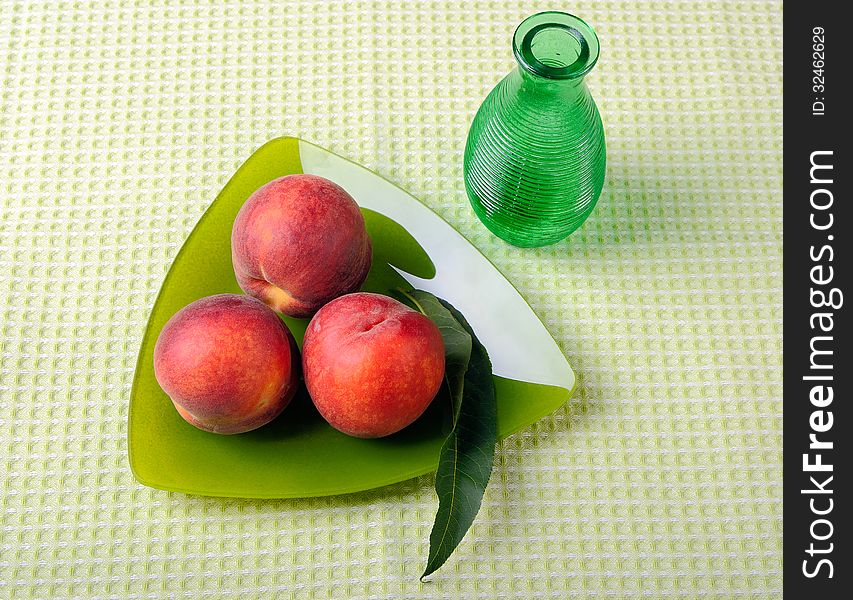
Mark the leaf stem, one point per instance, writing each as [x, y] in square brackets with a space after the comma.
[413, 299]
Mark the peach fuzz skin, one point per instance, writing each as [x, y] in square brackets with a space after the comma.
[371, 364]
[228, 363]
[298, 242]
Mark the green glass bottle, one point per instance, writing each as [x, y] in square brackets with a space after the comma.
[535, 159]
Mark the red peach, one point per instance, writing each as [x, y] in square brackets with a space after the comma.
[372, 365]
[298, 242]
[228, 363]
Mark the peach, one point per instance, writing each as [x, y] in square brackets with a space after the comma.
[228, 363]
[371, 364]
[298, 242]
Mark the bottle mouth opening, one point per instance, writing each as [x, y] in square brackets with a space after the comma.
[555, 45]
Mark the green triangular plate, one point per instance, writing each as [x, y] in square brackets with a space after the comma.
[298, 454]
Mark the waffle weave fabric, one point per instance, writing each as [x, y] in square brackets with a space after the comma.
[662, 477]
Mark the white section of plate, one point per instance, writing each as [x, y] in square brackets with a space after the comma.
[518, 344]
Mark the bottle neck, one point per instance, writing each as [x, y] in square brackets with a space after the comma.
[543, 87]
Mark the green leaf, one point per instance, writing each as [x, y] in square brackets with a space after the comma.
[465, 462]
[457, 342]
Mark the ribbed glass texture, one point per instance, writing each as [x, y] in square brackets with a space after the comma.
[535, 158]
